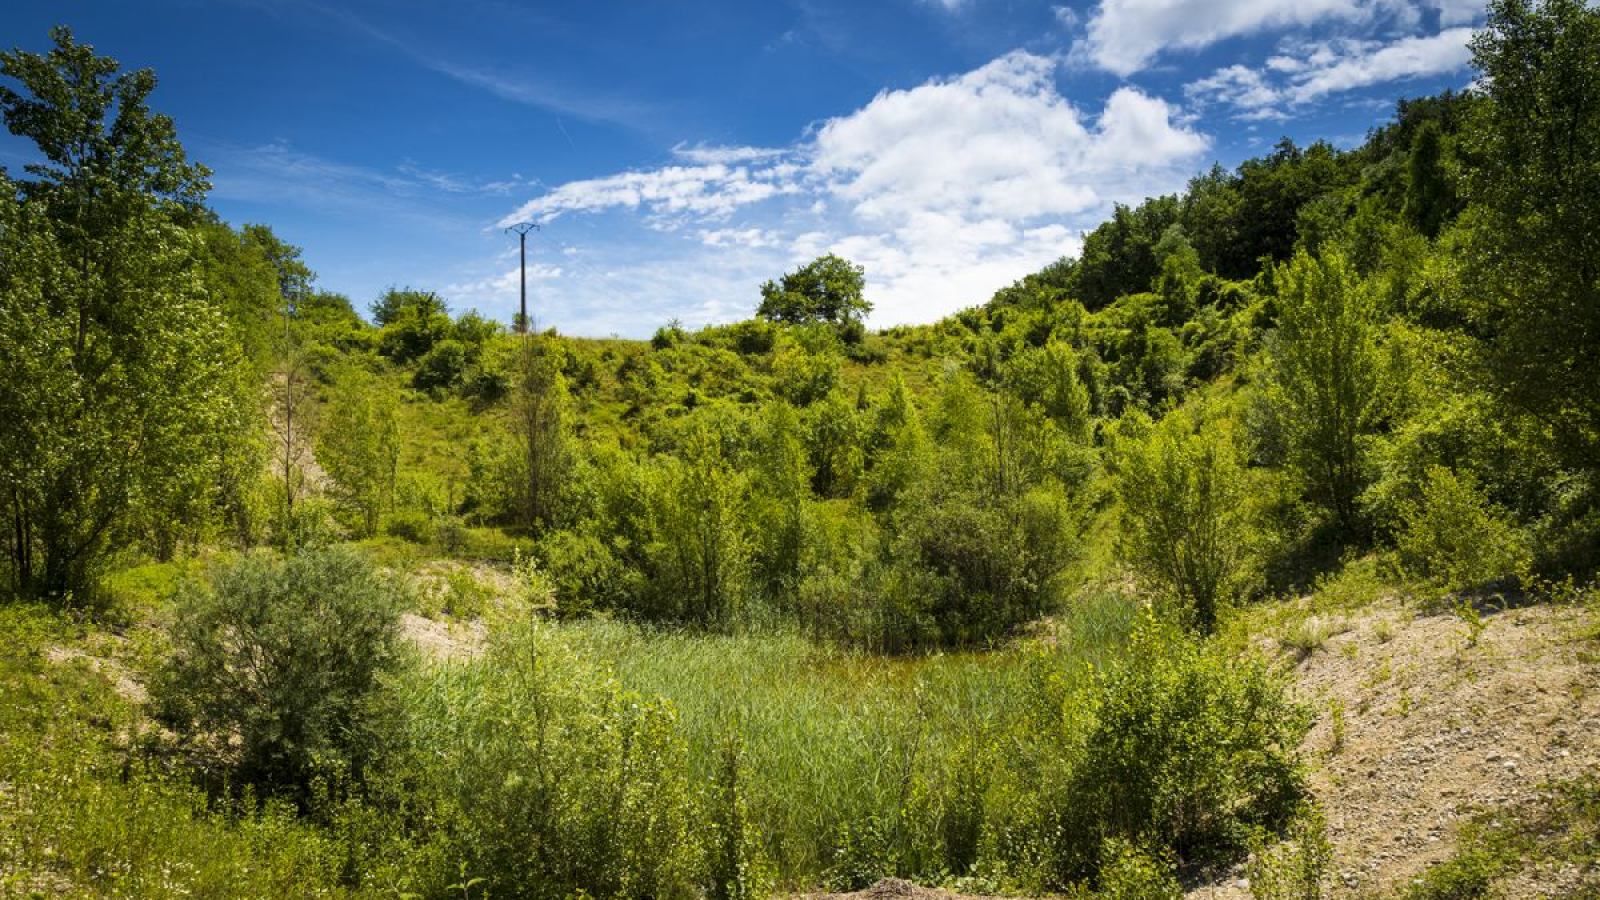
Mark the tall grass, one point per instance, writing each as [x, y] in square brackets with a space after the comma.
[834, 741]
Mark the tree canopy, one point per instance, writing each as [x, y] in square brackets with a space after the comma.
[827, 289]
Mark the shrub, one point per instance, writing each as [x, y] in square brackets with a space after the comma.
[1296, 867]
[1182, 747]
[442, 366]
[1452, 536]
[411, 525]
[582, 571]
[982, 565]
[1183, 516]
[278, 671]
[1129, 872]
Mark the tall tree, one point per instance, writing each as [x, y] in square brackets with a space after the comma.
[1534, 260]
[114, 387]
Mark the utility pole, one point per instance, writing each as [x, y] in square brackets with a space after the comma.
[522, 229]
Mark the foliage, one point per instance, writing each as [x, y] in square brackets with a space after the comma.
[116, 388]
[1532, 258]
[1181, 746]
[1184, 512]
[1324, 379]
[540, 460]
[361, 452]
[1453, 536]
[1128, 872]
[1296, 867]
[279, 671]
[827, 289]
[549, 779]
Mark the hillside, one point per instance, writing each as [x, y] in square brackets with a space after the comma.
[1251, 552]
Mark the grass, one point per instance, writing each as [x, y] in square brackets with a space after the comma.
[835, 738]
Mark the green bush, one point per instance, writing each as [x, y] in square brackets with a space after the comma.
[1182, 746]
[411, 525]
[1296, 867]
[546, 779]
[583, 572]
[279, 671]
[1453, 537]
[1130, 872]
[442, 366]
[1184, 520]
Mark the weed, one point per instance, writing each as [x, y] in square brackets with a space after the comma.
[1335, 725]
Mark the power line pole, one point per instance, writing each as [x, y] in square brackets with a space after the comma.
[522, 229]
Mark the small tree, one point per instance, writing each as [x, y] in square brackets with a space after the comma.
[827, 289]
[1183, 523]
[362, 451]
[1324, 378]
[538, 418]
[278, 669]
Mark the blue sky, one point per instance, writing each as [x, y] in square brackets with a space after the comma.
[679, 154]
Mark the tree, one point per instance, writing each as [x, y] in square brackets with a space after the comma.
[1533, 260]
[412, 322]
[114, 389]
[1430, 196]
[1183, 523]
[827, 289]
[538, 419]
[1323, 378]
[1119, 255]
[362, 452]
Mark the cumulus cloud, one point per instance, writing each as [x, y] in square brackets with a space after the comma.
[1412, 57]
[997, 142]
[1312, 71]
[944, 191]
[966, 183]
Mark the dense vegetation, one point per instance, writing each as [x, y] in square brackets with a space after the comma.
[783, 602]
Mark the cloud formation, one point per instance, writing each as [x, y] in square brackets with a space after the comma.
[1315, 70]
[712, 191]
[1124, 36]
[944, 191]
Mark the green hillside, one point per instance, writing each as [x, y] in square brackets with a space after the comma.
[305, 599]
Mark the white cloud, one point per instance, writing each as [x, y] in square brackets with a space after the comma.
[1311, 71]
[740, 237]
[1245, 88]
[1125, 35]
[944, 192]
[1412, 57]
[710, 190]
[996, 142]
[966, 183]
[712, 154]
[1459, 12]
